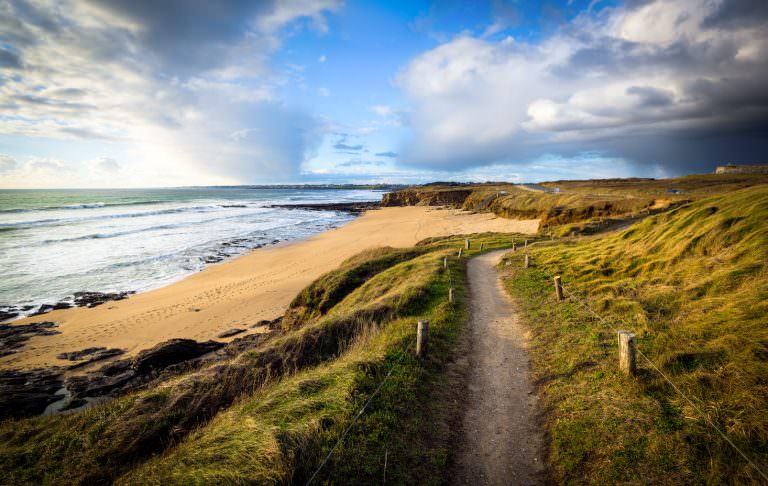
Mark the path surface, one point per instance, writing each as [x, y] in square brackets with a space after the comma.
[502, 443]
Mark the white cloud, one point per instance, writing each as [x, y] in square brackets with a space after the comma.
[645, 82]
[103, 165]
[7, 163]
[126, 73]
[322, 58]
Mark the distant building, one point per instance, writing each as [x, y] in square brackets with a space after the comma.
[742, 169]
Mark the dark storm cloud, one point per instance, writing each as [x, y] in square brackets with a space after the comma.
[676, 85]
[348, 148]
[187, 36]
[738, 13]
[649, 96]
[344, 147]
[9, 60]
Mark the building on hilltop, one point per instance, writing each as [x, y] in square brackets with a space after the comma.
[742, 169]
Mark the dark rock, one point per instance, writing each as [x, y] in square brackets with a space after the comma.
[240, 345]
[62, 305]
[13, 337]
[92, 299]
[89, 355]
[74, 403]
[77, 355]
[353, 207]
[116, 367]
[230, 333]
[25, 393]
[43, 309]
[97, 384]
[234, 206]
[273, 324]
[6, 314]
[171, 352]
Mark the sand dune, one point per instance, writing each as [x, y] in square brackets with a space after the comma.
[240, 292]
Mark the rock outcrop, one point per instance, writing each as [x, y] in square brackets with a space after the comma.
[426, 197]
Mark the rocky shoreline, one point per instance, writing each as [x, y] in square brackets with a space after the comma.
[78, 299]
[353, 207]
[57, 389]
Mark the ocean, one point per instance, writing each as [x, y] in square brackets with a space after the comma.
[54, 243]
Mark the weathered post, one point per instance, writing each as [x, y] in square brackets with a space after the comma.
[481, 246]
[525, 244]
[527, 261]
[627, 353]
[460, 249]
[559, 288]
[514, 246]
[445, 263]
[450, 295]
[466, 244]
[422, 338]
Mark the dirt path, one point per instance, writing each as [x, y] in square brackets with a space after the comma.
[502, 443]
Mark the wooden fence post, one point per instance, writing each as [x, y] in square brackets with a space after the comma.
[450, 295]
[481, 246]
[422, 338]
[525, 244]
[445, 263]
[466, 244]
[514, 246]
[460, 252]
[527, 261]
[627, 353]
[559, 288]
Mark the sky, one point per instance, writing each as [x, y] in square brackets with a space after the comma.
[140, 93]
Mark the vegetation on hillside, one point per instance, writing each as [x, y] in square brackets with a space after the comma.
[692, 284]
[585, 206]
[273, 413]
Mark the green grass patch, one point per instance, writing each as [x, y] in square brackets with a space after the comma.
[271, 414]
[691, 283]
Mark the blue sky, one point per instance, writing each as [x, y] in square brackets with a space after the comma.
[129, 93]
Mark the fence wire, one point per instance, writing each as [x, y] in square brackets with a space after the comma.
[373, 395]
[653, 365]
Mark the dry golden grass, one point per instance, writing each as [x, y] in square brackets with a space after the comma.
[692, 283]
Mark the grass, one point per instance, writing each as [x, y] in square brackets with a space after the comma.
[691, 283]
[582, 206]
[271, 414]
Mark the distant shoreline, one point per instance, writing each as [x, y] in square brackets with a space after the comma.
[239, 292]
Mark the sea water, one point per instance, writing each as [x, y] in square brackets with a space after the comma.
[54, 243]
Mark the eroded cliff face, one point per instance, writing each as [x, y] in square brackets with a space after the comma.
[419, 197]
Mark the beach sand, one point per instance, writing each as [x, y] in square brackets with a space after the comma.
[242, 291]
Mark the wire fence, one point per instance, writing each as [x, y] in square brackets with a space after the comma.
[373, 395]
[584, 303]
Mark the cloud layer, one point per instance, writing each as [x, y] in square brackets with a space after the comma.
[675, 83]
[186, 85]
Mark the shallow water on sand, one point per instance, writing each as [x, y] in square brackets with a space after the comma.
[54, 243]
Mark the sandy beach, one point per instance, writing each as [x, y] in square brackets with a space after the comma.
[242, 291]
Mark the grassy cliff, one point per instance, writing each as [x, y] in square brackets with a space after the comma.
[692, 284]
[578, 203]
[271, 414]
